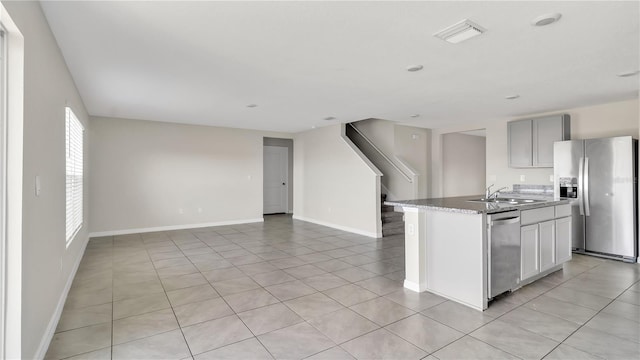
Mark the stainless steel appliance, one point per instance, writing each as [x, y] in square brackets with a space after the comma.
[503, 252]
[599, 177]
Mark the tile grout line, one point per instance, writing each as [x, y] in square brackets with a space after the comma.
[171, 305]
[498, 317]
[228, 305]
[523, 304]
[580, 326]
[220, 296]
[236, 315]
[300, 243]
[585, 323]
[280, 302]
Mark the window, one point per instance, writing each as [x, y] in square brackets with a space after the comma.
[74, 149]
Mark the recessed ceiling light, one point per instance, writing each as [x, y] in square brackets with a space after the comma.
[414, 68]
[252, 105]
[329, 118]
[546, 19]
[414, 115]
[460, 31]
[512, 97]
[313, 127]
[628, 73]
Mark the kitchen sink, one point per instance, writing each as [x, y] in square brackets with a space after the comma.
[512, 201]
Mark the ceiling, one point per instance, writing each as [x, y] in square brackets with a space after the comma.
[300, 62]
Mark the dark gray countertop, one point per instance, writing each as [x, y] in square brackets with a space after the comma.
[462, 205]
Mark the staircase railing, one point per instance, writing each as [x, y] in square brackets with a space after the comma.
[385, 157]
[411, 177]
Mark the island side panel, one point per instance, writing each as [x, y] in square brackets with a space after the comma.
[456, 257]
[415, 243]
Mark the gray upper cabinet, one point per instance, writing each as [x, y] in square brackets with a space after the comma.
[530, 141]
[520, 143]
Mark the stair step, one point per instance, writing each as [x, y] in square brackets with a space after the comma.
[393, 220]
[392, 214]
[390, 232]
[386, 208]
[393, 225]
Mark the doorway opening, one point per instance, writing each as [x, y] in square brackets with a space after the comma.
[464, 163]
[277, 176]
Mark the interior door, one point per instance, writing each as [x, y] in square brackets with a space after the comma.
[609, 226]
[275, 176]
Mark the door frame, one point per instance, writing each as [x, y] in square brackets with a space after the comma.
[3, 188]
[285, 150]
[13, 186]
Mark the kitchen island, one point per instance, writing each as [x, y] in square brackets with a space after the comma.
[446, 244]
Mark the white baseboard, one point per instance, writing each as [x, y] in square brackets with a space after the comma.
[172, 227]
[339, 227]
[415, 286]
[55, 318]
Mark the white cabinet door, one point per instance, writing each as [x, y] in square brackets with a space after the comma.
[529, 251]
[547, 232]
[563, 240]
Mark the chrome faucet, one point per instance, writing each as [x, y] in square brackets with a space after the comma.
[488, 194]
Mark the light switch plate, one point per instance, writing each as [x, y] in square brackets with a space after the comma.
[38, 187]
[522, 178]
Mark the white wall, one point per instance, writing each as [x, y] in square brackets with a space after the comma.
[464, 164]
[47, 265]
[153, 175]
[603, 120]
[333, 185]
[413, 145]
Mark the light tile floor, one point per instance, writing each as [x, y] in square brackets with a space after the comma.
[289, 289]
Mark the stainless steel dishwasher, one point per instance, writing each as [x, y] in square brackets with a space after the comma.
[503, 251]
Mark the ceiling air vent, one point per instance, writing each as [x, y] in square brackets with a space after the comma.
[461, 31]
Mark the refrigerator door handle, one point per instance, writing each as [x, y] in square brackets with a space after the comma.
[587, 211]
[581, 185]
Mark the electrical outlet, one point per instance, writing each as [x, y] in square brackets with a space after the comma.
[522, 178]
[411, 229]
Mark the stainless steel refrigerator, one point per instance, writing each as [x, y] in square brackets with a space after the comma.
[599, 177]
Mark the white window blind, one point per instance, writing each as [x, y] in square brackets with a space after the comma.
[74, 149]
